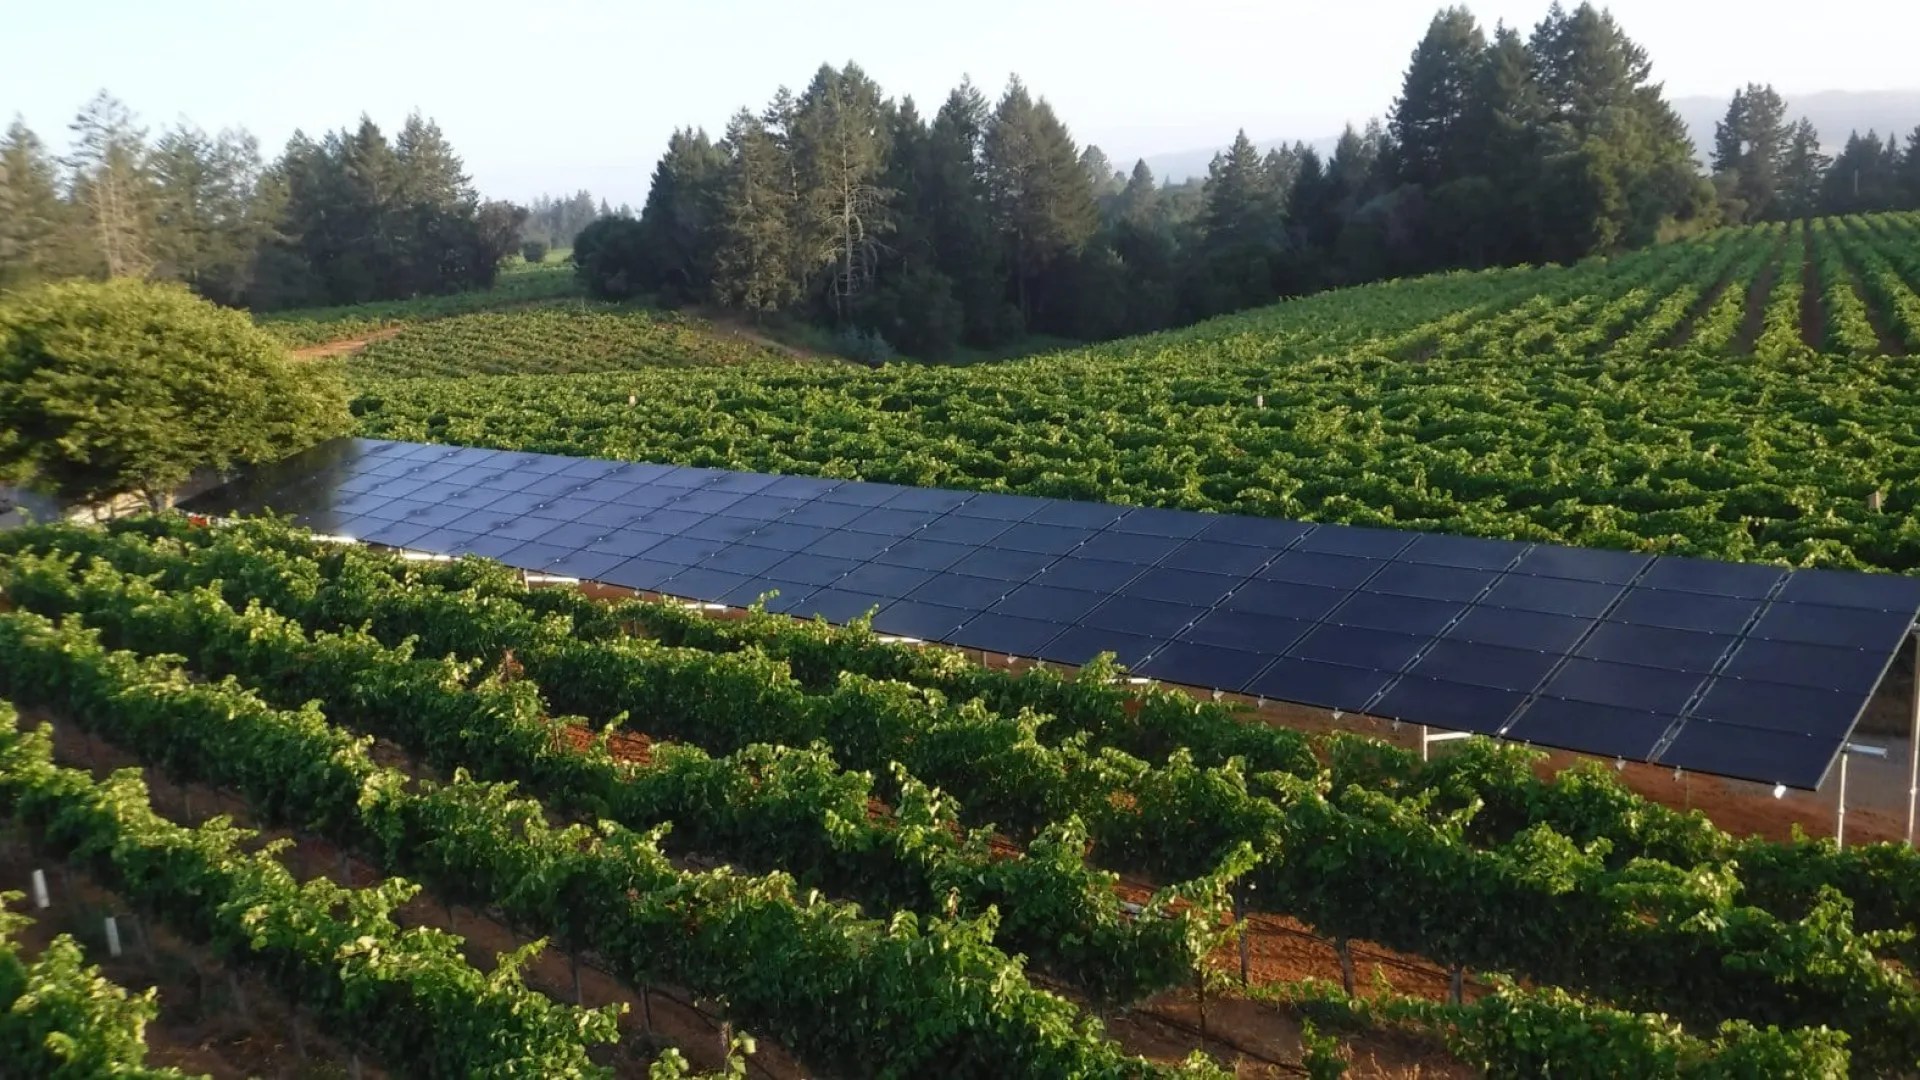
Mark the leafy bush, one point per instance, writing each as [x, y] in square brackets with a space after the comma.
[534, 251]
[124, 387]
[862, 346]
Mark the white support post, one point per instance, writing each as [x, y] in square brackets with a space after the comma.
[1423, 744]
[1427, 739]
[1840, 818]
[1913, 745]
[113, 937]
[40, 898]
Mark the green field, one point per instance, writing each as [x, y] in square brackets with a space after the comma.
[1743, 395]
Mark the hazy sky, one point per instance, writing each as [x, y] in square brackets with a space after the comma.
[565, 94]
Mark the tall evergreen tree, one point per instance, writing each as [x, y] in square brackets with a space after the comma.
[36, 228]
[1864, 176]
[109, 180]
[840, 152]
[1750, 149]
[1909, 173]
[960, 218]
[753, 264]
[1432, 117]
[1041, 196]
[676, 223]
[205, 227]
[1803, 171]
[1241, 230]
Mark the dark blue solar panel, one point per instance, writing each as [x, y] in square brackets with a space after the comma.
[1213, 557]
[1136, 615]
[961, 591]
[1313, 568]
[1181, 586]
[1450, 705]
[1205, 666]
[785, 536]
[1085, 515]
[1006, 634]
[996, 507]
[1400, 614]
[1599, 729]
[1356, 647]
[1855, 671]
[1878, 592]
[924, 554]
[1286, 600]
[824, 515]
[1103, 575]
[1264, 533]
[1064, 606]
[1080, 644]
[1817, 624]
[1151, 521]
[627, 543]
[1045, 539]
[1247, 632]
[1649, 646]
[1005, 565]
[1777, 707]
[954, 529]
[1625, 686]
[932, 500]
[585, 565]
[1622, 649]
[740, 559]
[1128, 547]
[397, 533]
[1751, 754]
[886, 522]
[813, 569]
[1684, 611]
[1551, 596]
[1330, 686]
[1583, 564]
[861, 494]
[790, 592]
[1492, 666]
[1357, 540]
[840, 544]
[839, 605]
[532, 556]
[882, 580]
[1431, 582]
[927, 621]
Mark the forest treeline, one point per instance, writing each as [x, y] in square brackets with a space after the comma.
[349, 217]
[988, 222]
[978, 226]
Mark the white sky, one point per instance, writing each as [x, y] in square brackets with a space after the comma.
[580, 93]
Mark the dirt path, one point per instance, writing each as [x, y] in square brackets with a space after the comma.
[1813, 322]
[735, 326]
[345, 345]
[1757, 296]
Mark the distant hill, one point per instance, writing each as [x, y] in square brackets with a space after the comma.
[1835, 113]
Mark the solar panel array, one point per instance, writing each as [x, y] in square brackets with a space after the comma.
[1747, 671]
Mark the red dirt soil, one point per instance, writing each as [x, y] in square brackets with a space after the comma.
[344, 345]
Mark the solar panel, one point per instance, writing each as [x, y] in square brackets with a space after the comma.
[1750, 671]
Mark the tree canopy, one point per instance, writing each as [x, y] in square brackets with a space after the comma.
[126, 387]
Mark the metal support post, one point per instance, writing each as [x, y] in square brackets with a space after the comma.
[1840, 819]
[1913, 744]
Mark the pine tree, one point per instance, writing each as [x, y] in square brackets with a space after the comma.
[1803, 172]
[1041, 196]
[1106, 180]
[840, 151]
[1863, 178]
[1139, 201]
[1909, 173]
[960, 219]
[1241, 229]
[205, 231]
[110, 182]
[1431, 117]
[1750, 149]
[753, 262]
[677, 222]
[36, 228]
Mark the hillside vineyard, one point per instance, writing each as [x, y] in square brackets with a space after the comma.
[1740, 396]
